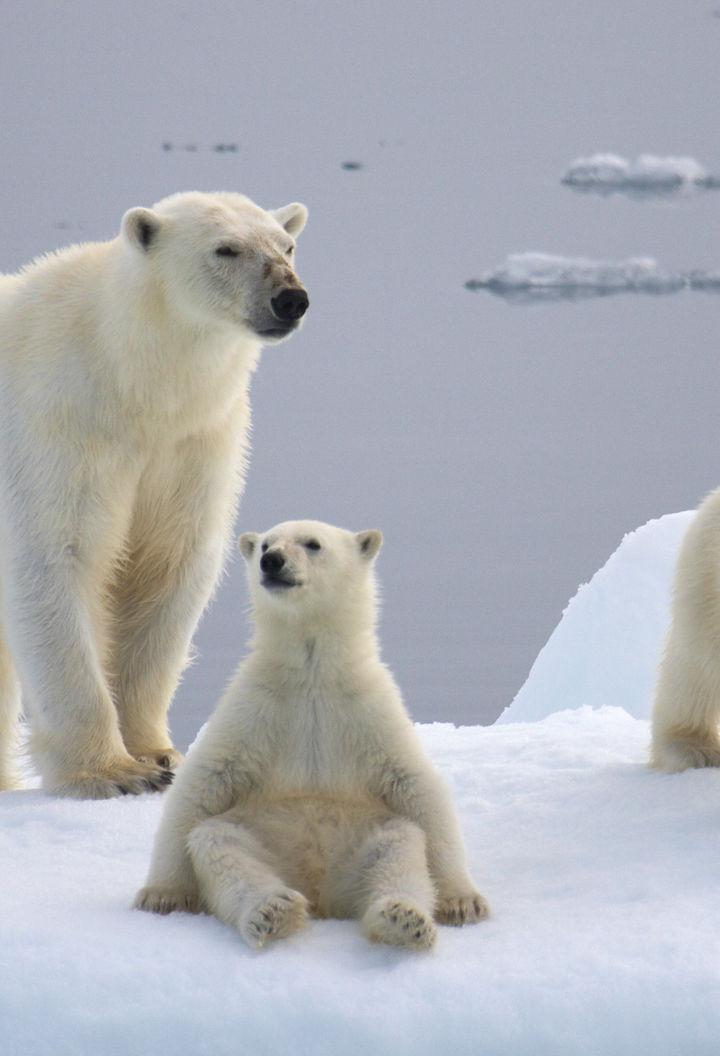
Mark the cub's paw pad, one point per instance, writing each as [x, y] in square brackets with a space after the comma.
[461, 909]
[166, 900]
[281, 914]
[399, 924]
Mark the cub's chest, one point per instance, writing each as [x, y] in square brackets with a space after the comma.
[321, 745]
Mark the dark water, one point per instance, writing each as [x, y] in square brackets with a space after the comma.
[503, 449]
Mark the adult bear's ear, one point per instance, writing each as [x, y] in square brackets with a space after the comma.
[292, 217]
[247, 543]
[369, 542]
[141, 227]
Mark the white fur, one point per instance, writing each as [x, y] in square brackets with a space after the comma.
[309, 791]
[686, 711]
[124, 375]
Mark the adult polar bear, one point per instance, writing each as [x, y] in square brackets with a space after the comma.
[686, 710]
[124, 376]
[309, 790]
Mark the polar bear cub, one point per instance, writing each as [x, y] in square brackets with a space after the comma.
[686, 710]
[124, 375]
[309, 792]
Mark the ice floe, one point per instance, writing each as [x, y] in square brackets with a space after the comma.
[532, 277]
[648, 176]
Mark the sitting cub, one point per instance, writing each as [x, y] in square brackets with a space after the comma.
[309, 792]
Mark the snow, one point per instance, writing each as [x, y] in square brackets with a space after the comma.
[603, 877]
[648, 176]
[587, 661]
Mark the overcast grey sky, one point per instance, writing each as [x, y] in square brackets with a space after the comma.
[504, 451]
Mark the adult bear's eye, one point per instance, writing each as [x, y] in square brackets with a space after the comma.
[227, 251]
[312, 544]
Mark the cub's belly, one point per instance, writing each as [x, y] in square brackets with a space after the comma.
[309, 840]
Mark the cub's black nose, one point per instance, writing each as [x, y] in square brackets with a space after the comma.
[271, 562]
[290, 304]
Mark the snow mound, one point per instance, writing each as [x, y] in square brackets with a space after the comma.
[607, 645]
[534, 277]
[648, 176]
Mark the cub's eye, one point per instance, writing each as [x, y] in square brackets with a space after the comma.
[227, 251]
[312, 544]
[263, 548]
[289, 251]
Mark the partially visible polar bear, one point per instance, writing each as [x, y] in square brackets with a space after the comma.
[686, 710]
[124, 375]
[309, 791]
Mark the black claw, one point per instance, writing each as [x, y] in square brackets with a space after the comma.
[157, 782]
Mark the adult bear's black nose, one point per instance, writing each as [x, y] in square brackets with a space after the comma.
[290, 304]
[271, 562]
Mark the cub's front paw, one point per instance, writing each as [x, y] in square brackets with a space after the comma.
[468, 908]
[166, 900]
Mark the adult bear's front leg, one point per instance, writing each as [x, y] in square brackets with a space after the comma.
[62, 528]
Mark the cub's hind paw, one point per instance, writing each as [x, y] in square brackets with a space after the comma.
[461, 909]
[399, 924]
[276, 916]
[166, 900]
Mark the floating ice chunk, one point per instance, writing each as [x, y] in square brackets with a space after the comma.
[606, 648]
[531, 277]
[708, 281]
[646, 177]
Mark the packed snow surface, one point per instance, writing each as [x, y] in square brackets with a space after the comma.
[603, 878]
[648, 176]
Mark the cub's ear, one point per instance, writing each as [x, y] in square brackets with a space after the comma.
[141, 227]
[292, 217]
[247, 543]
[369, 542]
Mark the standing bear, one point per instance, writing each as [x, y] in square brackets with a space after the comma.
[686, 710]
[124, 376]
[309, 792]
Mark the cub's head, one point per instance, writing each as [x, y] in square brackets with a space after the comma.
[313, 570]
[221, 259]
